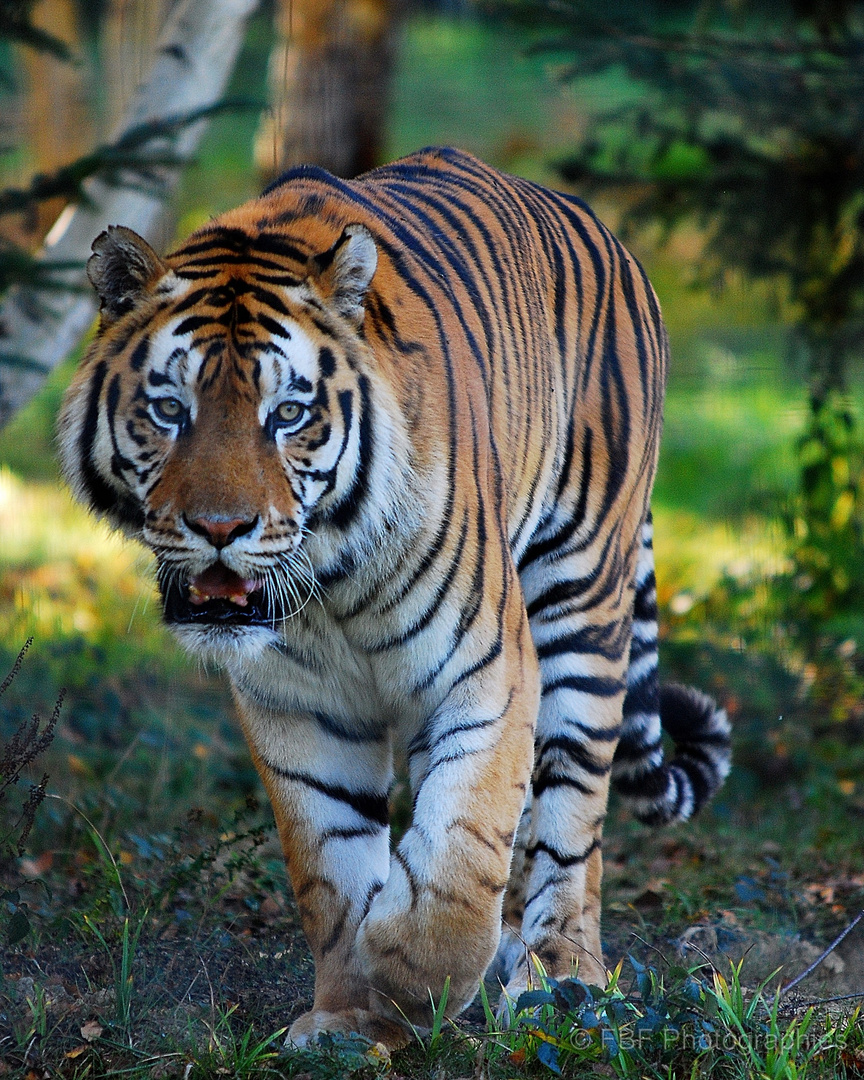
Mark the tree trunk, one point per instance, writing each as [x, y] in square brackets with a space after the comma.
[194, 60]
[329, 79]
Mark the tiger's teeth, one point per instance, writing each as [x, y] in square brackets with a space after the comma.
[198, 596]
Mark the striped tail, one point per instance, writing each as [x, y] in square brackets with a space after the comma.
[660, 792]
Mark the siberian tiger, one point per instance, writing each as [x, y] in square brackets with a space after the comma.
[392, 442]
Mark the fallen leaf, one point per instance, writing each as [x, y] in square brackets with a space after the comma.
[33, 868]
[379, 1055]
[91, 1030]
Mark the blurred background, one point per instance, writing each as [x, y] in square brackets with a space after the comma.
[724, 141]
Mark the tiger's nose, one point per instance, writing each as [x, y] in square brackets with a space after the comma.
[221, 531]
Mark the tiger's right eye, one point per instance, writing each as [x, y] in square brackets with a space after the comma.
[168, 408]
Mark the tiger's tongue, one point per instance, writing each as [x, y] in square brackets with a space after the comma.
[218, 581]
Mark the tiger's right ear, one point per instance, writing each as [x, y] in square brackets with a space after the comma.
[121, 267]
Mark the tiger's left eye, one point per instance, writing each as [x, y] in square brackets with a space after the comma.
[168, 408]
[289, 412]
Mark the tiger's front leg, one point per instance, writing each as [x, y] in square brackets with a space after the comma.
[329, 788]
[439, 915]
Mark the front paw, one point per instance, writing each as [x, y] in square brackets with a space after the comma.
[379, 1029]
[410, 959]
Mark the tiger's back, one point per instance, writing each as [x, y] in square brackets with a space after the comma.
[392, 441]
[509, 292]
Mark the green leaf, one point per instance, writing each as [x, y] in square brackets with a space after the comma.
[547, 1054]
[533, 999]
[18, 928]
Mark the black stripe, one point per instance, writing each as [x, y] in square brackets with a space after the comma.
[192, 323]
[346, 509]
[606, 641]
[276, 244]
[338, 929]
[644, 697]
[645, 602]
[559, 857]
[539, 548]
[140, 354]
[334, 727]
[367, 804]
[633, 748]
[437, 600]
[536, 895]
[576, 752]
[586, 684]
[571, 589]
[547, 778]
[409, 874]
[100, 495]
[373, 829]
[273, 327]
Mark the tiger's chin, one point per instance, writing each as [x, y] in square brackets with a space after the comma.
[228, 645]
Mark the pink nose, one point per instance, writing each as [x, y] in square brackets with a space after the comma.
[221, 531]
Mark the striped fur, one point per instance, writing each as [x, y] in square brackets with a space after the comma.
[392, 442]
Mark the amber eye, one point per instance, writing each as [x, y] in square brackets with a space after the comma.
[290, 413]
[168, 408]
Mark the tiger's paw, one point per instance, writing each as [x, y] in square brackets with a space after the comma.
[379, 1029]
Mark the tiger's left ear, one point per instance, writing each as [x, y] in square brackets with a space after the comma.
[344, 272]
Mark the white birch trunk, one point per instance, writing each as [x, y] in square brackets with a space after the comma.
[194, 60]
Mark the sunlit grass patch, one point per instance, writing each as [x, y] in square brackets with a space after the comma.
[65, 576]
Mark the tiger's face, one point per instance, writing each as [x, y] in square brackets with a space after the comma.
[219, 417]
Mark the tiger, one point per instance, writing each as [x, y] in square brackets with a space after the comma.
[392, 441]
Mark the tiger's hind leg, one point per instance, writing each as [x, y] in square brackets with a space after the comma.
[580, 605]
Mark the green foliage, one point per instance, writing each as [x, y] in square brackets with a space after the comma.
[826, 521]
[25, 746]
[748, 121]
[675, 1022]
[236, 1055]
[338, 1056]
[123, 977]
[749, 124]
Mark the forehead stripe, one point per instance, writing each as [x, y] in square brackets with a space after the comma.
[273, 244]
[193, 323]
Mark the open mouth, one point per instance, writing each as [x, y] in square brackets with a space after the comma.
[217, 596]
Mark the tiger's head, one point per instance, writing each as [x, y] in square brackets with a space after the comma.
[223, 416]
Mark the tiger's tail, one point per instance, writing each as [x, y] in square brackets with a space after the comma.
[657, 791]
